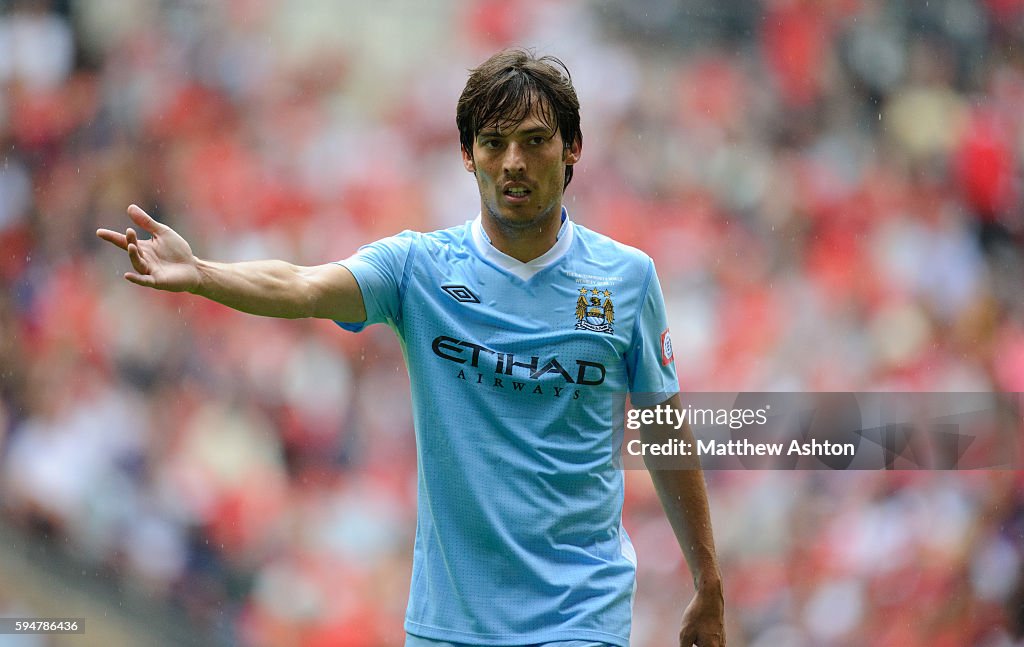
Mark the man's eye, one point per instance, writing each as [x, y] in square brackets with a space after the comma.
[490, 143]
[538, 140]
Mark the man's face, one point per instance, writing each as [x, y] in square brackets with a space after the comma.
[520, 171]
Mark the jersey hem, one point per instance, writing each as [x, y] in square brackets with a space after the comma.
[651, 398]
[507, 640]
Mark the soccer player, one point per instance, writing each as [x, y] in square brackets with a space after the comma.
[518, 328]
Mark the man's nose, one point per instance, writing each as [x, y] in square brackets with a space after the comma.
[515, 161]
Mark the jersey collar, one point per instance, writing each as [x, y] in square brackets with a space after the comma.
[514, 266]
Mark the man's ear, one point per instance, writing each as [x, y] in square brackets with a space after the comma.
[572, 152]
[467, 160]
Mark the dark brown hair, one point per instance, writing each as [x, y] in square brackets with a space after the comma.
[502, 91]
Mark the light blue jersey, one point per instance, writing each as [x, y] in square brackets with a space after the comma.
[514, 368]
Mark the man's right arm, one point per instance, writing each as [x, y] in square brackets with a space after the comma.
[280, 289]
[269, 288]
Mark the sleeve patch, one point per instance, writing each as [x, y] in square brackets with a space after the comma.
[666, 348]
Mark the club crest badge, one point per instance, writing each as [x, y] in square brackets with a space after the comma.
[595, 311]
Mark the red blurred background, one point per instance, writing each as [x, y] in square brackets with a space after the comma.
[831, 191]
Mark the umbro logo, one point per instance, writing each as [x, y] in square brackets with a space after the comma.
[460, 293]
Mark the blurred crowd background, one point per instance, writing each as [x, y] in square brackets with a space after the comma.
[831, 189]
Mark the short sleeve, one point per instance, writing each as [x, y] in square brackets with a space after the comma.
[379, 269]
[650, 364]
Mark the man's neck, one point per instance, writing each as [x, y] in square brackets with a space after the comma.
[523, 243]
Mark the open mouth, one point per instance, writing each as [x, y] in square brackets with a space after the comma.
[517, 193]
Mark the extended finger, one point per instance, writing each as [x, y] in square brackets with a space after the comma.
[131, 236]
[140, 265]
[114, 237]
[144, 220]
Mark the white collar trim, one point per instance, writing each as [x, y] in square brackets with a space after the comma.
[514, 266]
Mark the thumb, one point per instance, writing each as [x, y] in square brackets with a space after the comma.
[144, 280]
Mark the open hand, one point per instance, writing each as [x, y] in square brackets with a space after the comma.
[164, 261]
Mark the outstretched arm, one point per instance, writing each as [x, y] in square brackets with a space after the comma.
[685, 500]
[270, 288]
